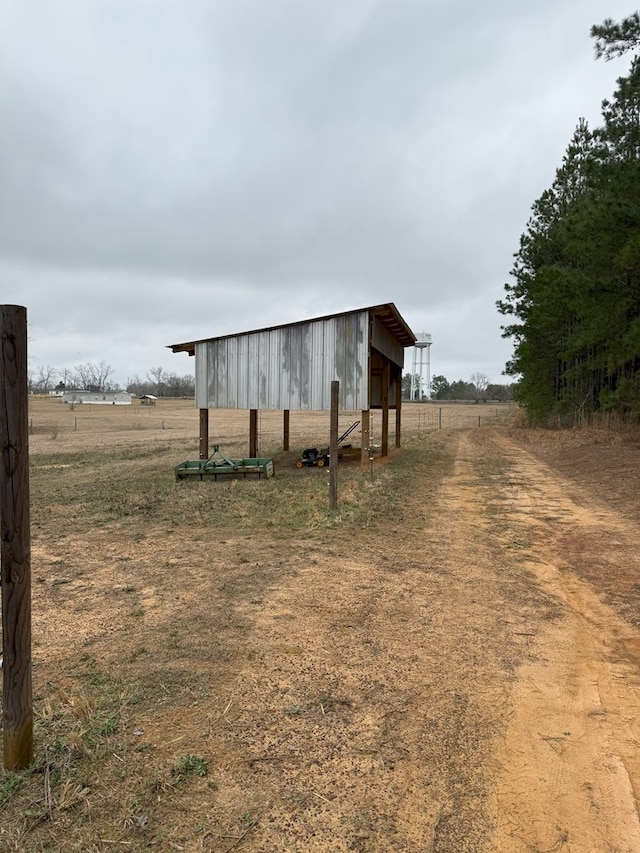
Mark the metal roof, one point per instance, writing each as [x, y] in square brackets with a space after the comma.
[386, 313]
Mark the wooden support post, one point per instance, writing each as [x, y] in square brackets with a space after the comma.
[285, 430]
[253, 433]
[333, 445]
[366, 438]
[398, 407]
[204, 433]
[15, 548]
[385, 409]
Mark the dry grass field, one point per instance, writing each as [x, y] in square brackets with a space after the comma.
[231, 666]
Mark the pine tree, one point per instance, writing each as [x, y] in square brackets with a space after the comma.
[575, 295]
[612, 40]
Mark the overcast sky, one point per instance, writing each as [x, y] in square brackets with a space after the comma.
[179, 169]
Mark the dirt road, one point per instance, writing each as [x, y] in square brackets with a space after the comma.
[465, 691]
[571, 766]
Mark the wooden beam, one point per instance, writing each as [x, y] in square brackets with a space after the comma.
[253, 433]
[285, 430]
[15, 548]
[398, 405]
[385, 408]
[204, 433]
[333, 445]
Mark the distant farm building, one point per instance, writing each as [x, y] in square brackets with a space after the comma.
[100, 398]
[292, 367]
[148, 400]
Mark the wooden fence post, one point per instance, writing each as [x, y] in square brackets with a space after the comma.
[365, 451]
[15, 546]
[333, 445]
[253, 433]
[204, 433]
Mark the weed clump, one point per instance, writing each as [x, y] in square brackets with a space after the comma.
[189, 765]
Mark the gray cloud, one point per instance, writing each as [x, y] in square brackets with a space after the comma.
[172, 170]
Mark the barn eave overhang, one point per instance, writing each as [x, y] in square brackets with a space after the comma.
[387, 314]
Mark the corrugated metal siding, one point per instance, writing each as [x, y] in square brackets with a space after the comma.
[202, 393]
[290, 367]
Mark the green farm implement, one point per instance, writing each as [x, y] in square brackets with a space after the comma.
[218, 466]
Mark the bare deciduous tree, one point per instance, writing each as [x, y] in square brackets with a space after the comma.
[42, 381]
[93, 377]
[158, 377]
[163, 384]
[103, 372]
[480, 381]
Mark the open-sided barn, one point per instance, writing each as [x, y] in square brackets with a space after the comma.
[292, 366]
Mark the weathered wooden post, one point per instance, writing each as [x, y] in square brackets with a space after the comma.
[15, 547]
[204, 433]
[285, 430]
[365, 448]
[398, 407]
[333, 445]
[253, 433]
[386, 373]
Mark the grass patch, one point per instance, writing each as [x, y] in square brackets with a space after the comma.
[10, 784]
[133, 485]
[187, 766]
[181, 568]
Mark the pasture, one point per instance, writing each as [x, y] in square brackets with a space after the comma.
[231, 666]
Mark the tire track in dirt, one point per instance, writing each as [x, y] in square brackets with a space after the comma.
[570, 762]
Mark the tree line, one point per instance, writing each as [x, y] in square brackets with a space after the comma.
[97, 378]
[574, 300]
[478, 389]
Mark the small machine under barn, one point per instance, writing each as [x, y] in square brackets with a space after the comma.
[313, 457]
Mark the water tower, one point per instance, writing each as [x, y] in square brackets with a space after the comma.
[421, 370]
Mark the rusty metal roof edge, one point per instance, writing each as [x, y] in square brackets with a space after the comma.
[386, 311]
